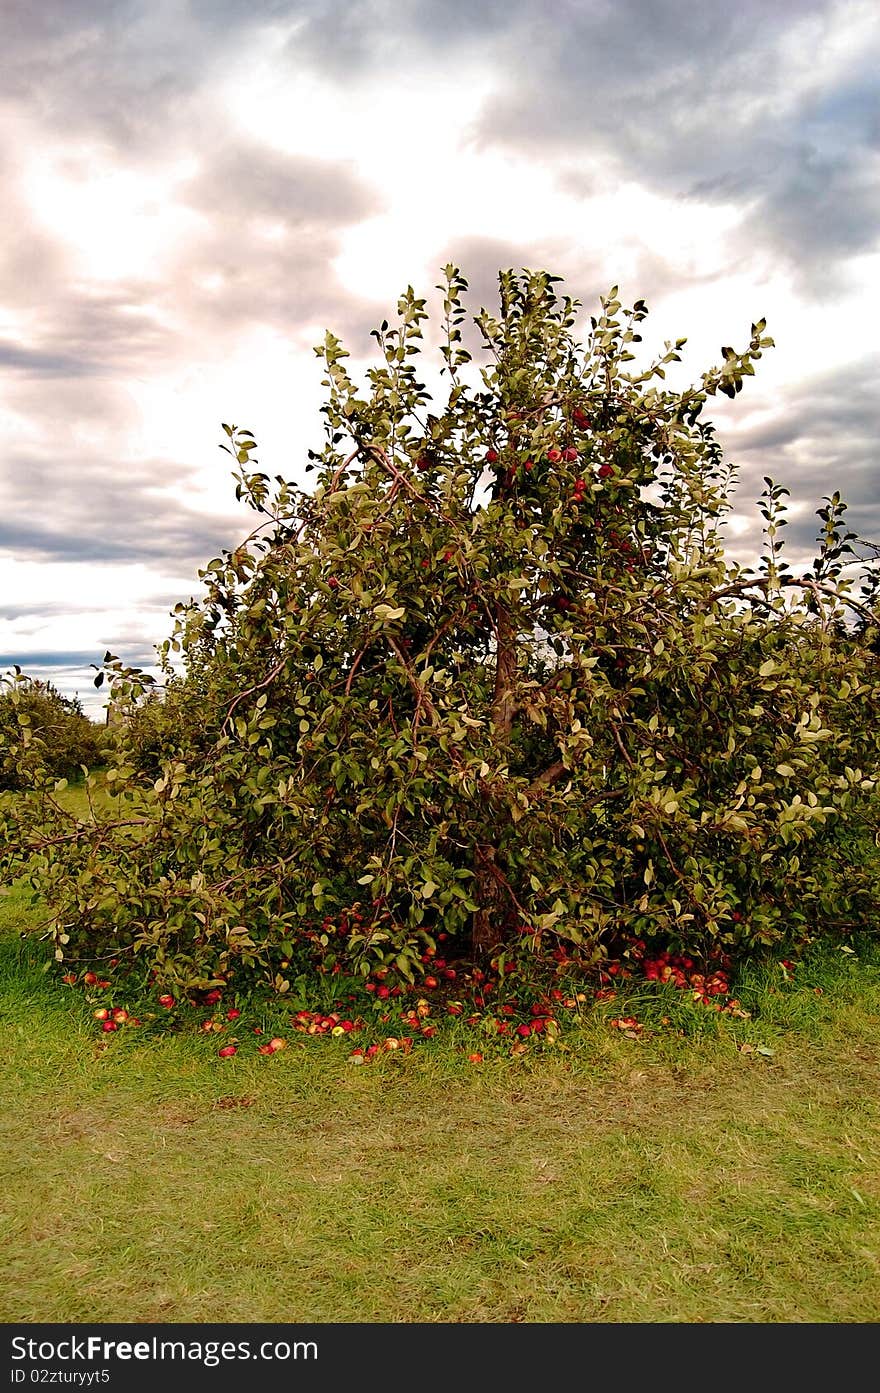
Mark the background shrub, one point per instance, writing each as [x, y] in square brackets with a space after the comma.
[60, 737]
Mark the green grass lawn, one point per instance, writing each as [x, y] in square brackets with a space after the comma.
[668, 1178]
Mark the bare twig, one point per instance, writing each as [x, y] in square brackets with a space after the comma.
[250, 691]
[620, 745]
[354, 667]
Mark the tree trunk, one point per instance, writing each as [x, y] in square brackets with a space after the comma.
[504, 698]
[493, 912]
[493, 909]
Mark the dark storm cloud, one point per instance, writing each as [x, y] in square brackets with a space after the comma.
[46, 544]
[143, 531]
[34, 362]
[53, 658]
[90, 508]
[72, 672]
[33, 609]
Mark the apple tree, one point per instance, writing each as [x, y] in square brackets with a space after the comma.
[489, 673]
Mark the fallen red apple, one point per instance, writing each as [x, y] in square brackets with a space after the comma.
[228, 1051]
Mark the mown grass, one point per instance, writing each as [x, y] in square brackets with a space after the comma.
[667, 1178]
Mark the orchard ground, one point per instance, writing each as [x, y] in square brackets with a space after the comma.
[701, 1167]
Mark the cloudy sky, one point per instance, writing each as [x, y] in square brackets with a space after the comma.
[193, 192]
